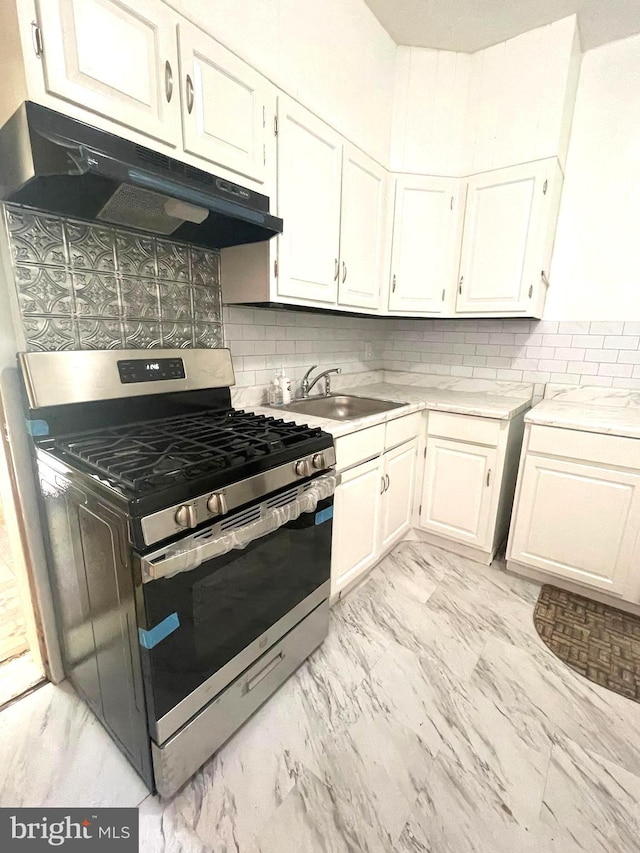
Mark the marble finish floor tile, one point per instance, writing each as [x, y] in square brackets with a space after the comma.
[54, 752]
[433, 718]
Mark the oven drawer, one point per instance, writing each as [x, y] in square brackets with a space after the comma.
[182, 755]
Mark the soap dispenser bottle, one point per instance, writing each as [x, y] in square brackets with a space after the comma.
[285, 388]
[275, 392]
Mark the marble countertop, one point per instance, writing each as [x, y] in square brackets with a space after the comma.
[501, 400]
[612, 411]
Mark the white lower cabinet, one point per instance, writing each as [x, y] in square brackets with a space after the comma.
[373, 507]
[458, 490]
[579, 519]
[397, 499]
[356, 511]
[471, 465]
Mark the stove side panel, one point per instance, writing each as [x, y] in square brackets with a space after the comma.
[94, 600]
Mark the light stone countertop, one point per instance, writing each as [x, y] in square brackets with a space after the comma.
[481, 398]
[611, 411]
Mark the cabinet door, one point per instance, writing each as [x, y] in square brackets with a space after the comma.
[117, 58]
[397, 501]
[457, 492]
[501, 258]
[309, 168]
[355, 523]
[426, 237]
[225, 105]
[362, 230]
[577, 521]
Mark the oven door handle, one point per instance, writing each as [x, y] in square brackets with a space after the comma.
[262, 673]
[190, 552]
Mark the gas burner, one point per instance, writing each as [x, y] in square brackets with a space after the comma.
[147, 456]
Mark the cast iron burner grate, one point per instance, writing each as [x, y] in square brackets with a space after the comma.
[155, 454]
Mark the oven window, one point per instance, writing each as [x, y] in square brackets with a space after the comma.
[227, 603]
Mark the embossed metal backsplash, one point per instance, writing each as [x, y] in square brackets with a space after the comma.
[83, 285]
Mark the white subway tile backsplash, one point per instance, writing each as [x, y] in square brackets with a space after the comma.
[606, 327]
[578, 352]
[574, 328]
[604, 355]
[621, 341]
[556, 340]
[591, 341]
[615, 369]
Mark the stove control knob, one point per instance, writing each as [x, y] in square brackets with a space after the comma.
[186, 516]
[318, 461]
[217, 504]
[303, 468]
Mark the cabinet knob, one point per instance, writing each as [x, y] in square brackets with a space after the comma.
[460, 284]
[393, 285]
[336, 269]
[489, 476]
[344, 272]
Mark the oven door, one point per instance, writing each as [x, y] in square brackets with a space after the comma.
[201, 628]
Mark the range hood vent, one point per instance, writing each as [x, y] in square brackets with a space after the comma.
[55, 163]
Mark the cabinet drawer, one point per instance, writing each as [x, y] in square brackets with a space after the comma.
[590, 446]
[464, 428]
[358, 446]
[402, 429]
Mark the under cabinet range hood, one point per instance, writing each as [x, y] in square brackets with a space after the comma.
[59, 164]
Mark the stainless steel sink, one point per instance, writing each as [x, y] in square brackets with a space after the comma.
[341, 407]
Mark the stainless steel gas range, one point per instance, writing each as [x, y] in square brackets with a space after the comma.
[190, 545]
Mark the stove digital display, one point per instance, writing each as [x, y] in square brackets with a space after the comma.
[150, 370]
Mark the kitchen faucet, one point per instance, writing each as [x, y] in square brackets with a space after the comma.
[306, 386]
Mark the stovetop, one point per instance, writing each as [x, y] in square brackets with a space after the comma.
[157, 462]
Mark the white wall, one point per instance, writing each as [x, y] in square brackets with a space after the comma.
[332, 55]
[457, 114]
[430, 111]
[595, 272]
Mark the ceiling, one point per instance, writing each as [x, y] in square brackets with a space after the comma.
[469, 25]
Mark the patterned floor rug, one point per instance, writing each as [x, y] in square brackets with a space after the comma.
[600, 642]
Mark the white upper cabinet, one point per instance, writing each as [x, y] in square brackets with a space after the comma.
[228, 108]
[117, 58]
[426, 240]
[309, 174]
[509, 224]
[362, 230]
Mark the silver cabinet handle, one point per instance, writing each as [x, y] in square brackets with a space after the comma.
[382, 485]
[489, 476]
[168, 81]
[190, 94]
[393, 287]
[460, 284]
[388, 482]
[344, 272]
[336, 269]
